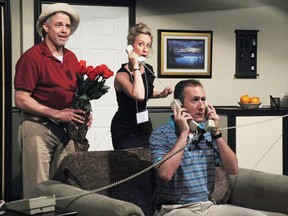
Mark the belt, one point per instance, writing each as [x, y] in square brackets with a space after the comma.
[159, 205]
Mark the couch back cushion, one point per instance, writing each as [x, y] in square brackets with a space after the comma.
[96, 169]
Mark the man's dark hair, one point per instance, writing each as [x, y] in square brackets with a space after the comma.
[179, 88]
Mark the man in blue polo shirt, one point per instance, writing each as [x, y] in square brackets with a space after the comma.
[185, 182]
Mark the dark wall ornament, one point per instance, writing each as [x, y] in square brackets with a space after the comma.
[246, 54]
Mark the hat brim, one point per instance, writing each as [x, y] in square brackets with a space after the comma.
[58, 7]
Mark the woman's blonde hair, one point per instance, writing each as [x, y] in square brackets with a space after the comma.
[137, 29]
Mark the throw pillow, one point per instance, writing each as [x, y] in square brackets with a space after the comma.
[221, 193]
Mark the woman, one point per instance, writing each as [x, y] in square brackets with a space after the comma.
[131, 126]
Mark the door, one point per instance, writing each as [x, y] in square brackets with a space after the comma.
[101, 39]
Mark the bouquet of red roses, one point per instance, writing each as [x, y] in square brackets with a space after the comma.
[91, 86]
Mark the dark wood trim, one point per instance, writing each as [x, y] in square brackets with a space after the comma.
[121, 3]
[285, 145]
[6, 95]
[159, 109]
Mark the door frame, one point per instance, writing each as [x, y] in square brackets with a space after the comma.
[6, 96]
[118, 3]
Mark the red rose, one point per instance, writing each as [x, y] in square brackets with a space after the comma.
[94, 73]
[106, 72]
[82, 67]
[89, 71]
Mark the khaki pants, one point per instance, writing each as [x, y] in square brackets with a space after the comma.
[206, 208]
[43, 144]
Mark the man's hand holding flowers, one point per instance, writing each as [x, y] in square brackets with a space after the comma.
[69, 115]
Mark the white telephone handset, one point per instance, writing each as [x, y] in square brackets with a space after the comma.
[140, 59]
[177, 103]
[210, 124]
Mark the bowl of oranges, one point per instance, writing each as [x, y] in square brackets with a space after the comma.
[247, 102]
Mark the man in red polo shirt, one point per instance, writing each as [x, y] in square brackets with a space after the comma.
[45, 82]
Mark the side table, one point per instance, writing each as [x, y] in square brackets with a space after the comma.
[58, 212]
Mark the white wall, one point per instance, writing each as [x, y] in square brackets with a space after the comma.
[220, 16]
[223, 17]
[22, 30]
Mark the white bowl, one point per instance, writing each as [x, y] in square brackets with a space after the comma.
[249, 105]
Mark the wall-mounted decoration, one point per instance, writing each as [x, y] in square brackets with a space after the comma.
[246, 54]
[183, 54]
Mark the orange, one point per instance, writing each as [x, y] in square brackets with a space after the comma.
[245, 99]
[254, 100]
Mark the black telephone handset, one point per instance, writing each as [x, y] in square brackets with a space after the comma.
[192, 124]
[210, 124]
[141, 59]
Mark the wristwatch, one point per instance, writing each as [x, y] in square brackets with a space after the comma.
[217, 136]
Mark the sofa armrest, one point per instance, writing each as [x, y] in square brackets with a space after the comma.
[260, 190]
[88, 204]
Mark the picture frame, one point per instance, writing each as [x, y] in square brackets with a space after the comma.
[184, 54]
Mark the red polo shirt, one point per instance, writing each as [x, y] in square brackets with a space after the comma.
[51, 82]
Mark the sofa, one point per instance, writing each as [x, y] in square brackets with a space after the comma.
[83, 183]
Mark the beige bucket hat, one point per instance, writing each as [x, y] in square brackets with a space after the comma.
[58, 7]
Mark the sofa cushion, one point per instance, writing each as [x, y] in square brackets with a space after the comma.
[95, 169]
[221, 193]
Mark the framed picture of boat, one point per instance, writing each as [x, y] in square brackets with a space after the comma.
[184, 54]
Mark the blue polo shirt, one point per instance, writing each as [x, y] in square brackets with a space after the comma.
[194, 178]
